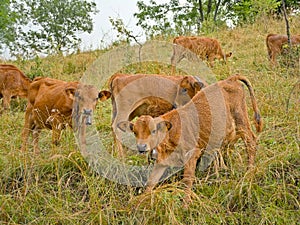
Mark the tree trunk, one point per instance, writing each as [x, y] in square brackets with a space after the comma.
[200, 9]
[287, 24]
[217, 10]
[200, 19]
[209, 3]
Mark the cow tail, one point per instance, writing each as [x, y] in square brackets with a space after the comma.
[257, 117]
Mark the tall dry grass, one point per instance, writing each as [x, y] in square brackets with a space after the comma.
[58, 187]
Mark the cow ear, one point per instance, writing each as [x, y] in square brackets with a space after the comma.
[185, 81]
[198, 85]
[104, 95]
[164, 126]
[125, 126]
[70, 91]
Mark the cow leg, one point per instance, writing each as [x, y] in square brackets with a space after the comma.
[189, 174]
[35, 136]
[211, 60]
[119, 146]
[6, 101]
[178, 55]
[156, 174]
[56, 136]
[274, 55]
[28, 125]
[273, 59]
[244, 131]
[249, 139]
[120, 149]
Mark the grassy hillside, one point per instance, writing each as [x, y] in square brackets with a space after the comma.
[58, 187]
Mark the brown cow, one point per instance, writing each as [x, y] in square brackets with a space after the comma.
[13, 83]
[145, 94]
[275, 44]
[215, 117]
[205, 48]
[50, 105]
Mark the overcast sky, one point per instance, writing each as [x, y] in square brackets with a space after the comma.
[103, 32]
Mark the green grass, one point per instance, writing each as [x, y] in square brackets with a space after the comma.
[57, 186]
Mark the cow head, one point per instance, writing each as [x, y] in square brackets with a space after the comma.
[187, 89]
[149, 132]
[85, 100]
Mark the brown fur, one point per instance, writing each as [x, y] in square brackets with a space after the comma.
[216, 116]
[50, 105]
[205, 48]
[275, 42]
[13, 83]
[187, 89]
[143, 94]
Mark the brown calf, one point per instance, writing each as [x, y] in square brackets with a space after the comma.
[13, 83]
[50, 105]
[216, 116]
[144, 94]
[205, 48]
[275, 43]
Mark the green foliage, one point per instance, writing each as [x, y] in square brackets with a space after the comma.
[289, 4]
[51, 27]
[194, 17]
[176, 18]
[7, 20]
[247, 11]
[168, 18]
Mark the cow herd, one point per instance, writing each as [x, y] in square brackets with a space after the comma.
[176, 126]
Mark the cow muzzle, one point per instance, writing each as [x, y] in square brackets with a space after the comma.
[142, 148]
[88, 116]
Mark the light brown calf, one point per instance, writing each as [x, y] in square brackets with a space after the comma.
[144, 94]
[13, 83]
[216, 116]
[50, 105]
[205, 48]
[275, 43]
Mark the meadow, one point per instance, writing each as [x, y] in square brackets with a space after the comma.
[57, 186]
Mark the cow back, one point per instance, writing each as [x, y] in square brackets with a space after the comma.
[13, 81]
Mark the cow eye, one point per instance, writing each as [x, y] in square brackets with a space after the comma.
[183, 90]
[153, 132]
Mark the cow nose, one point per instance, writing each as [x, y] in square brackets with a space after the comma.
[88, 114]
[142, 148]
[88, 120]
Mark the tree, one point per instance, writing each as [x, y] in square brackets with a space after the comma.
[179, 18]
[50, 26]
[7, 21]
[192, 16]
[247, 11]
